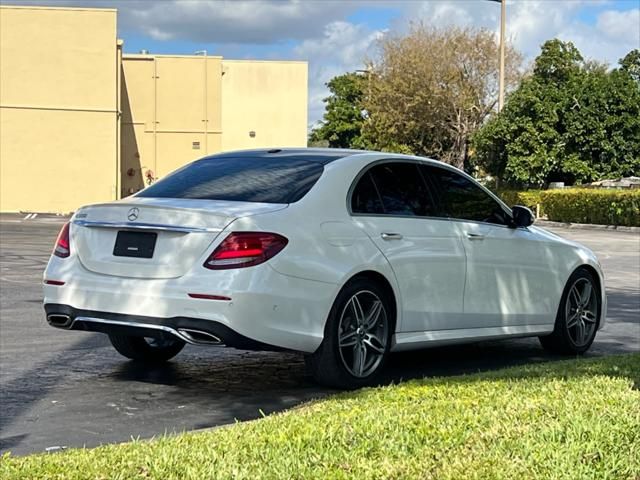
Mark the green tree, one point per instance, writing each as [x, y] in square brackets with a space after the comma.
[571, 121]
[343, 118]
[602, 138]
[430, 89]
[631, 64]
[558, 63]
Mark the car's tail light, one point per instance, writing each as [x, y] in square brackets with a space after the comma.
[244, 249]
[63, 247]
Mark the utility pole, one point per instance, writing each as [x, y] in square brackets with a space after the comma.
[503, 21]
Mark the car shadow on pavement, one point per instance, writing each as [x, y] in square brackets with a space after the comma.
[224, 371]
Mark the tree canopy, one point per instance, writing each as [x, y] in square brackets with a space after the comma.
[631, 64]
[425, 93]
[431, 89]
[571, 120]
[433, 92]
[343, 118]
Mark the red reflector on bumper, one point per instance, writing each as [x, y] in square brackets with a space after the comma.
[204, 296]
[54, 282]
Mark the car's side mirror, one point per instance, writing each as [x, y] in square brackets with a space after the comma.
[522, 216]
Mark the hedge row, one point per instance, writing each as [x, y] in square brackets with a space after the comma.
[582, 205]
[528, 198]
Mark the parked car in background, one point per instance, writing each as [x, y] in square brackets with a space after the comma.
[342, 255]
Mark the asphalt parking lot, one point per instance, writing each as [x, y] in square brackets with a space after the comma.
[69, 389]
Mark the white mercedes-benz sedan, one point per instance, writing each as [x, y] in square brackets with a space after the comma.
[342, 255]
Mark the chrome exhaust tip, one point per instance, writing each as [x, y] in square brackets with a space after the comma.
[59, 320]
[198, 337]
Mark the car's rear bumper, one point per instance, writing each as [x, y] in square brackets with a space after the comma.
[257, 303]
[190, 330]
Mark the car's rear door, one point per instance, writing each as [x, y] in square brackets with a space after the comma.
[391, 202]
[509, 273]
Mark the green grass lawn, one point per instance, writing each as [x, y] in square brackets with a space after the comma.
[562, 420]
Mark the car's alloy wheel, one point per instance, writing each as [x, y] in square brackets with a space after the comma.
[581, 311]
[357, 336]
[578, 316]
[362, 333]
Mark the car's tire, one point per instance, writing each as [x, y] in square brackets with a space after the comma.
[357, 337]
[146, 350]
[578, 316]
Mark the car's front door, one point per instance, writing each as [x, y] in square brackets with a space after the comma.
[391, 202]
[508, 270]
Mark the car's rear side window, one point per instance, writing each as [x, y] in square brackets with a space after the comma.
[242, 179]
[392, 188]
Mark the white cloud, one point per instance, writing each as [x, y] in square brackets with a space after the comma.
[530, 23]
[256, 21]
[342, 48]
[220, 21]
[620, 26]
[611, 38]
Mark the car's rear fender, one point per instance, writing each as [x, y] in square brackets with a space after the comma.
[331, 251]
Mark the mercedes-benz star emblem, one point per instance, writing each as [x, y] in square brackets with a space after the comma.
[133, 214]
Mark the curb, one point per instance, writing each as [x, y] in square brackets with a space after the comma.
[587, 226]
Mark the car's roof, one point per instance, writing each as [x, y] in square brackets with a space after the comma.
[325, 156]
[316, 155]
[322, 156]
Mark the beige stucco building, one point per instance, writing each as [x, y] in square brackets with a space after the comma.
[81, 122]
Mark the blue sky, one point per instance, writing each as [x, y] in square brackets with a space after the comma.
[335, 36]
[374, 15]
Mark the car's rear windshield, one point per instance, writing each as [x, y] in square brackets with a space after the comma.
[243, 179]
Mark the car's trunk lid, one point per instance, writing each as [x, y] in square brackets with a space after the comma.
[163, 238]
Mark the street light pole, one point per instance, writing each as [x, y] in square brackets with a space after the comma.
[503, 21]
[503, 15]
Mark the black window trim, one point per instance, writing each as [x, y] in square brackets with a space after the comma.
[375, 187]
[430, 187]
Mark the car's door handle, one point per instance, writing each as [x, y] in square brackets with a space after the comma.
[475, 236]
[391, 236]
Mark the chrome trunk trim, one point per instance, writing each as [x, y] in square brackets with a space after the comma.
[145, 226]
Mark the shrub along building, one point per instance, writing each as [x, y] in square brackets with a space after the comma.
[81, 122]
